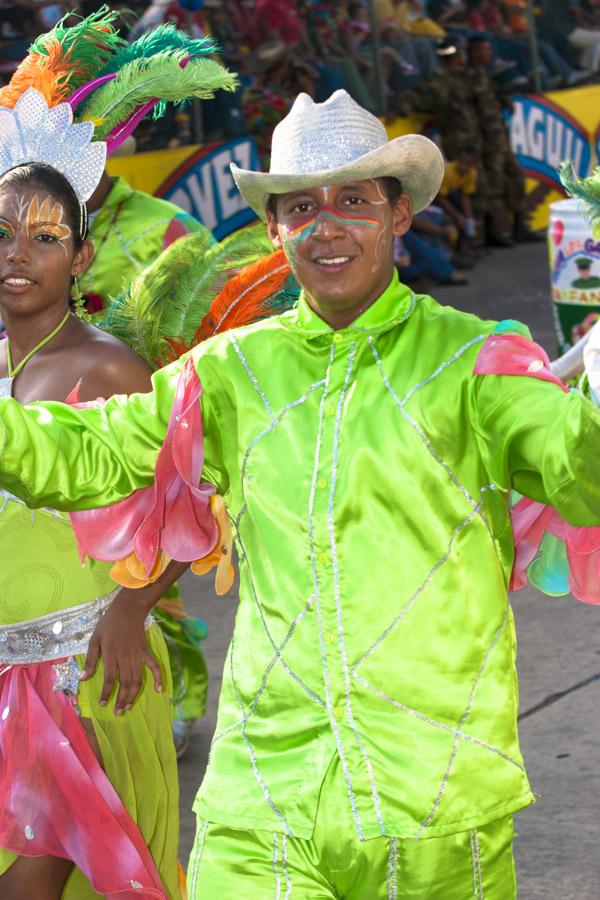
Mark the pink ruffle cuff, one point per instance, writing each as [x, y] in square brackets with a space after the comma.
[173, 515]
[562, 556]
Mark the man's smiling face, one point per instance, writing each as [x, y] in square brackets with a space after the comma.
[338, 240]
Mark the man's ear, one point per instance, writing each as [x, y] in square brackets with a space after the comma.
[402, 215]
[83, 258]
[272, 230]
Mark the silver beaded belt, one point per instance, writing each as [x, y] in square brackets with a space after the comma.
[58, 634]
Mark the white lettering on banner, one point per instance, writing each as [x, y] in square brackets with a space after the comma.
[541, 138]
[535, 132]
[231, 199]
[200, 186]
[207, 189]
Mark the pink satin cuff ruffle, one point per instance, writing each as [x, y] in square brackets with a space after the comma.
[56, 799]
[531, 521]
[173, 514]
[514, 354]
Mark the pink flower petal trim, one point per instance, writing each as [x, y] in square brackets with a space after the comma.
[530, 521]
[56, 799]
[173, 514]
[514, 354]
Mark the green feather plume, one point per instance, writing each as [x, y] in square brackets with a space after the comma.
[158, 40]
[586, 189]
[89, 43]
[160, 76]
[167, 301]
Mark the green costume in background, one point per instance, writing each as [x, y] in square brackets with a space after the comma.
[368, 473]
[129, 231]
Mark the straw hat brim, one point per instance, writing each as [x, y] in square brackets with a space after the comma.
[412, 158]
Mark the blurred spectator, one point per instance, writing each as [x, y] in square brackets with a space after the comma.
[277, 78]
[18, 26]
[505, 183]
[448, 13]
[276, 20]
[507, 27]
[410, 16]
[456, 196]
[576, 23]
[325, 34]
[448, 97]
[415, 259]
[555, 63]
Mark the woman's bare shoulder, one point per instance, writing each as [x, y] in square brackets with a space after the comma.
[111, 367]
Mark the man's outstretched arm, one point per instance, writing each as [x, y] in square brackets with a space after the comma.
[52, 454]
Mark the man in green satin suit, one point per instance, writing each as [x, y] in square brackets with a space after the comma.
[366, 744]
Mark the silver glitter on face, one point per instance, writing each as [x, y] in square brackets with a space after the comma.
[5, 713]
[57, 628]
[29, 832]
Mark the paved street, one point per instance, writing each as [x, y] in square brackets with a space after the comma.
[559, 657]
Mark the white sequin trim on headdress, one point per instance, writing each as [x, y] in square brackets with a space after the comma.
[32, 132]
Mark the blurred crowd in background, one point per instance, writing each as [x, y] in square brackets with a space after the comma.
[453, 62]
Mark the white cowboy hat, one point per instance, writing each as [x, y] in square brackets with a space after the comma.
[338, 141]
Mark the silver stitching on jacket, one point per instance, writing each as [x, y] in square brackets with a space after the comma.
[286, 874]
[253, 761]
[336, 589]
[436, 724]
[401, 406]
[255, 701]
[392, 869]
[251, 374]
[199, 849]
[463, 719]
[444, 559]
[313, 562]
[476, 863]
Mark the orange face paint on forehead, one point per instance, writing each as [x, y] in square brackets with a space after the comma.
[46, 218]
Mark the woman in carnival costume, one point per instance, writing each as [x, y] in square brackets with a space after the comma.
[129, 228]
[366, 444]
[88, 772]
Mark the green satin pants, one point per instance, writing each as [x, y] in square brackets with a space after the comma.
[228, 864]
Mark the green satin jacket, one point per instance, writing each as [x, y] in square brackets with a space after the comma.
[367, 472]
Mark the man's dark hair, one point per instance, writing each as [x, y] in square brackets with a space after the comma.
[476, 40]
[58, 186]
[392, 188]
[467, 150]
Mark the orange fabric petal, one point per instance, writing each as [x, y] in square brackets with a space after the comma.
[129, 572]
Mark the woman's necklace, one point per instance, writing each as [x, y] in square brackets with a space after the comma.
[12, 373]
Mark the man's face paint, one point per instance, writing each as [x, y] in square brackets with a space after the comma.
[338, 241]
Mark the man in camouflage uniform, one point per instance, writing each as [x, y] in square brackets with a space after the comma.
[504, 177]
[448, 97]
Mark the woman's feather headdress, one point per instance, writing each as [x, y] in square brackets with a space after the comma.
[108, 85]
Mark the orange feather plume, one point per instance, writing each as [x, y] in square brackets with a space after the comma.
[57, 71]
[245, 297]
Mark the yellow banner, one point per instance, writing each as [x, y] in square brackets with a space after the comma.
[544, 129]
